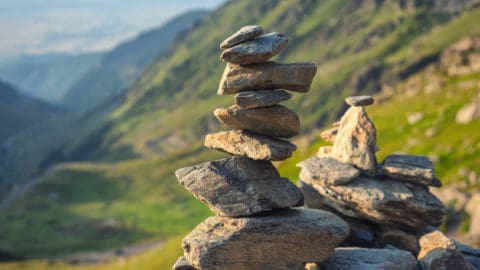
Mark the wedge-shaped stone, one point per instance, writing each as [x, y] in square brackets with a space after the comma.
[359, 100]
[416, 169]
[239, 186]
[182, 264]
[329, 135]
[256, 50]
[251, 145]
[353, 258]
[327, 171]
[274, 121]
[384, 201]
[269, 75]
[266, 241]
[261, 98]
[244, 34]
[355, 142]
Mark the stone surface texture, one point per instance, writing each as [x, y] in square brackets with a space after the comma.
[274, 241]
[327, 171]
[260, 98]
[245, 33]
[355, 142]
[251, 145]
[370, 259]
[239, 186]
[384, 201]
[182, 264]
[267, 76]
[256, 50]
[329, 135]
[412, 168]
[273, 121]
[359, 100]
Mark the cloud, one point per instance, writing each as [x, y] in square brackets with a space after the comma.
[76, 26]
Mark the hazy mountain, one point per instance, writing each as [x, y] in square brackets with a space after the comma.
[119, 68]
[47, 76]
[125, 189]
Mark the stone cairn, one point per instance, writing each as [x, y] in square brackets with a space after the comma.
[255, 226]
[391, 213]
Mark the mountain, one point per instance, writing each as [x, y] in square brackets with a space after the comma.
[124, 190]
[18, 112]
[49, 76]
[119, 68]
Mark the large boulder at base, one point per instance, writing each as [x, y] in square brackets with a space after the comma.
[245, 33]
[251, 145]
[266, 241]
[354, 258]
[438, 252]
[412, 168]
[256, 50]
[327, 171]
[384, 201]
[355, 142]
[260, 98]
[269, 75]
[273, 121]
[239, 186]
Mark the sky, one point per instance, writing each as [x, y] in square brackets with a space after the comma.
[77, 26]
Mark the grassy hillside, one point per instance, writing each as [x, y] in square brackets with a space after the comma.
[127, 192]
[47, 77]
[119, 68]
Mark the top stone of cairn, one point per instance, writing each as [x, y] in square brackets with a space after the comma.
[359, 100]
[244, 34]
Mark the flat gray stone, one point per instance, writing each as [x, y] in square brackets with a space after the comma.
[327, 171]
[261, 98]
[273, 121]
[272, 240]
[239, 186]
[359, 100]
[244, 34]
[256, 50]
[182, 264]
[384, 201]
[295, 77]
[412, 168]
[353, 258]
[251, 145]
[355, 142]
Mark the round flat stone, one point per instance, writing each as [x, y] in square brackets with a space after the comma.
[245, 33]
[359, 100]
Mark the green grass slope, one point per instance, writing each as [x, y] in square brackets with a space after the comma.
[128, 192]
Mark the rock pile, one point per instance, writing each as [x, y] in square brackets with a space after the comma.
[255, 228]
[388, 206]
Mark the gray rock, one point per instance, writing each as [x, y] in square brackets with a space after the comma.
[352, 258]
[265, 76]
[182, 264]
[273, 121]
[312, 199]
[329, 135]
[359, 100]
[384, 201]
[266, 241]
[256, 50]
[254, 146]
[244, 34]
[327, 171]
[261, 98]
[470, 254]
[239, 186]
[440, 258]
[400, 238]
[415, 169]
[355, 142]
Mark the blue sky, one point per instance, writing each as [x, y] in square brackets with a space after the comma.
[75, 26]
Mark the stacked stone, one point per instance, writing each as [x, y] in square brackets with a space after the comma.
[386, 205]
[255, 226]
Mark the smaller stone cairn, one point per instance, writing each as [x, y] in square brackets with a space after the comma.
[388, 206]
[255, 227]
